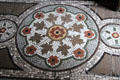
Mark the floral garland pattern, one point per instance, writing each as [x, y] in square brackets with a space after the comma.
[57, 35]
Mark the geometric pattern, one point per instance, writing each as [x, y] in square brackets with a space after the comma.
[56, 36]
[110, 35]
[57, 40]
[7, 30]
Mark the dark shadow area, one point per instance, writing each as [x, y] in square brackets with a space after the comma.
[6, 61]
[14, 8]
[109, 4]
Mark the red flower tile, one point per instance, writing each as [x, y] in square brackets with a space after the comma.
[30, 50]
[115, 35]
[89, 34]
[26, 30]
[80, 17]
[53, 60]
[79, 53]
[2, 30]
[39, 15]
[60, 10]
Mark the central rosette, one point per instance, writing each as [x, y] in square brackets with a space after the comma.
[57, 32]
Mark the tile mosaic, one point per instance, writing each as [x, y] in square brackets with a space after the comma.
[58, 39]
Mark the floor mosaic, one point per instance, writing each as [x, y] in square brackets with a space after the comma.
[110, 35]
[54, 39]
[7, 29]
[55, 36]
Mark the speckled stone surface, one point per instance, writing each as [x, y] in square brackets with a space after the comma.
[58, 40]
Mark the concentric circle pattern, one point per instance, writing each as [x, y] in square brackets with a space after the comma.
[7, 29]
[57, 37]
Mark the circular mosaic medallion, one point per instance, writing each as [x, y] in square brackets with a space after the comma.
[110, 35]
[7, 29]
[57, 37]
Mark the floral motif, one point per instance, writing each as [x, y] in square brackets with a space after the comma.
[66, 18]
[77, 27]
[46, 48]
[26, 30]
[30, 50]
[37, 37]
[60, 10]
[53, 61]
[115, 35]
[51, 18]
[57, 32]
[39, 15]
[2, 30]
[79, 53]
[39, 25]
[89, 34]
[80, 17]
[76, 40]
[63, 49]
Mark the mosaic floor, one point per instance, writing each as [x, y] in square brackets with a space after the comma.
[57, 39]
[54, 36]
